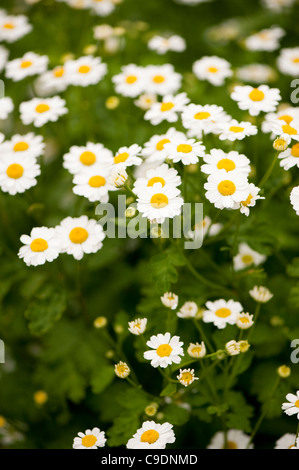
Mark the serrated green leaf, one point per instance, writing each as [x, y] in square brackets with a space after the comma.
[169, 390]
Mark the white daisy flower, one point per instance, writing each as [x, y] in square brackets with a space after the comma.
[261, 294]
[291, 407]
[226, 189]
[6, 107]
[93, 184]
[158, 203]
[288, 61]
[170, 300]
[256, 73]
[287, 441]
[165, 350]
[162, 44]
[162, 174]
[256, 100]
[80, 235]
[196, 350]
[186, 377]
[90, 439]
[102, 7]
[40, 246]
[154, 150]
[4, 53]
[247, 257]
[81, 158]
[128, 156]
[236, 439]
[122, 370]
[294, 198]
[145, 101]
[85, 71]
[51, 82]
[28, 145]
[213, 69]
[284, 116]
[265, 40]
[235, 130]
[167, 110]
[185, 150]
[162, 79]
[39, 111]
[203, 118]
[131, 81]
[251, 199]
[118, 176]
[17, 174]
[188, 310]
[281, 128]
[13, 28]
[220, 160]
[26, 66]
[138, 326]
[244, 320]
[232, 348]
[152, 436]
[222, 312]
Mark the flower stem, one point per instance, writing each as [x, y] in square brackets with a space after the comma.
[269, 171]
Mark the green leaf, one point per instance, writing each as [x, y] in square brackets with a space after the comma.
[169, 390]
[163, 268]
[123, 428]
[176, 415]
[239, 414]
[101, 378]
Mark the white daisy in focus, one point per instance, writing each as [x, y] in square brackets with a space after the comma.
[213, 69]
[39, 111]
[6, 107]
[251, 199]
[185, 150]
[28, 145]
[222, 312]
[154, 150]
[265, 40]
[138, 326]
[196, 350]
[257, 99]
[281, 128]
[131, 81]
[167, 110]
[170, 300]
[165, 350]
[3, 57]
[244, 320]
[188, 310]
[226, 189]
[80, 235]
[294, 198]
[287, 441]
[81, 158]
[162, 174]
[152, 436]
[291, 407]
[162, 44]
[289, 158]
[235, 130]
[85, 71]
[236, 439]
[203, 118]
[40, 246]
[13, 27]
[157, 203]
[28, 65]
[247, 257]
[128, 156]
[230, 161]
[90, 439]
[279, 118]
[162, 79]
[17, 174]
[288, 61]
[186, 377]
[93, 184]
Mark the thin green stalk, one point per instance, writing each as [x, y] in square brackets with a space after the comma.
[269, 171]
[255, 317]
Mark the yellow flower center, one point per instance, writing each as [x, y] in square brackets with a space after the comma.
[196, 350]
[223, 312]
[187, 377]
[58, 72]
[226, 188]
[40, 397]
[150, 436]
[87, 158]
[156, 179]
[158, 79]
[256, 95]
[231, 445]
[184, 148]
[21, 147]
[236, 129]
[202, 115]
[15, 171]
[38, 245]
[295, 150]
[121, 369]
[213, 69]
[296, 60]
[226, 164]
[297, 403]
[89, 440]
[287, 129]
[84, 69]
[286, 118]
[244, 320]
[161, 143]
[97, 181]
[166, 106]
[158, 201]
[247, 201]
[42, 108]
[8, 26]
[121, 157]
[78, 235]
[131, 79]
[2, 421]
[25, 64]
[247, 259]
[164, 350]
